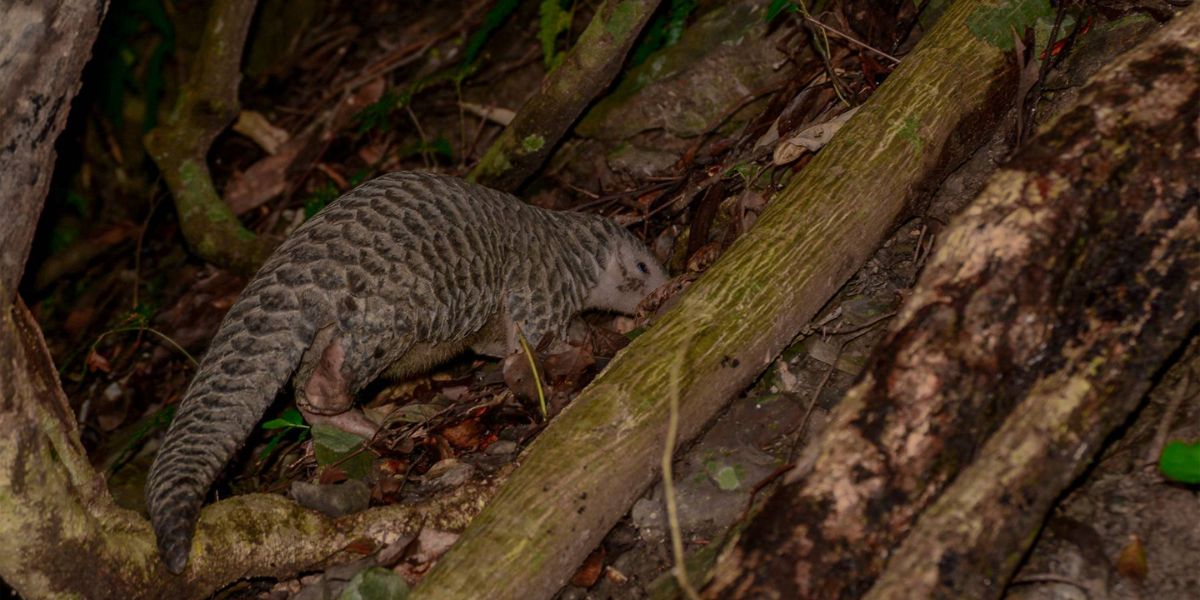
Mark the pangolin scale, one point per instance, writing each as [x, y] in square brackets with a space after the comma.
[393, 277]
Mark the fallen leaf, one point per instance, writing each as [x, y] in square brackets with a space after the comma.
[466, 435]
[96, 362]
[497, 115]
[1131, 561]
[257, 127]
[810, 139]
[589, 572]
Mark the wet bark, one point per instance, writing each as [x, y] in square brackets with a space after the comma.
[1034, 332]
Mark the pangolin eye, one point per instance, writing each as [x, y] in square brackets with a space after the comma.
[643, 268]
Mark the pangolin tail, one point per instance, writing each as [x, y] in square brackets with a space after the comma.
[252, 356]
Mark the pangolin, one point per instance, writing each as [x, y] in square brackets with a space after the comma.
[395, 276]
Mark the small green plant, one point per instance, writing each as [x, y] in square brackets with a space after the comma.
[327, 192]
[746, 171]
[1180, 462]
[779, 7]
[319, 198]
[435, 147]
[159, 420]
[289, 424]
[664, 30]
[495, 17]
[378, 115]
[117, 53]
[554, 19]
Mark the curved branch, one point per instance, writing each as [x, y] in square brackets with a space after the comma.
[207, 104]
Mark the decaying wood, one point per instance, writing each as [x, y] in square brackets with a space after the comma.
[582, 474]
[64, 536]
[587, 70]
[1033, 333]
[1128, 154]
[207, 103]
[43, 47]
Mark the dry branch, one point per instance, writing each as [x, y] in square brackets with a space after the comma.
[207, 103]
[1037, 328]
[43, 47]
[581, 475]
[588, 69]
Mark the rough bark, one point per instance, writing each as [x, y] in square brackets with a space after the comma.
[207, 103]
[588, 69]
[56, 514]
[1123, 191]
[1033, 333]
[581, 475]
[43, 47]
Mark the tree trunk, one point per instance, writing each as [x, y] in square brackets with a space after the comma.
[1033, 333]
[43, 47]
[581, 475]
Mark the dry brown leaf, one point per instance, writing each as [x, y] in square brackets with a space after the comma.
[810, 139]
[257, 127]
[589, 572]
[1131, 561]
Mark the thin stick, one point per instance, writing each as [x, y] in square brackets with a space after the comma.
[850, 39]
[1178, 393]
[537, 380]
[680, 568]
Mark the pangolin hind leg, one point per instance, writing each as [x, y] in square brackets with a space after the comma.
[323, 392]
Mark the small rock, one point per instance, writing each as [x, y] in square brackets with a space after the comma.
[334, 500]
[502, 447]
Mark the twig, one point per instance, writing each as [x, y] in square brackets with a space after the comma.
[537, 380]
[850, 39]
[668, 455]
[854, 333]
[1178, 393]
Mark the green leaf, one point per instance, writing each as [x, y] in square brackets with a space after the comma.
[994, 24]
[287, 422]
[1181, 462]
[416, 413]
[289, 419]
[334, 446]
[663, 30]
[553, 21]
[779, 7]
[375, 583]
[377, 116]
[492, 21]
[727, 477]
